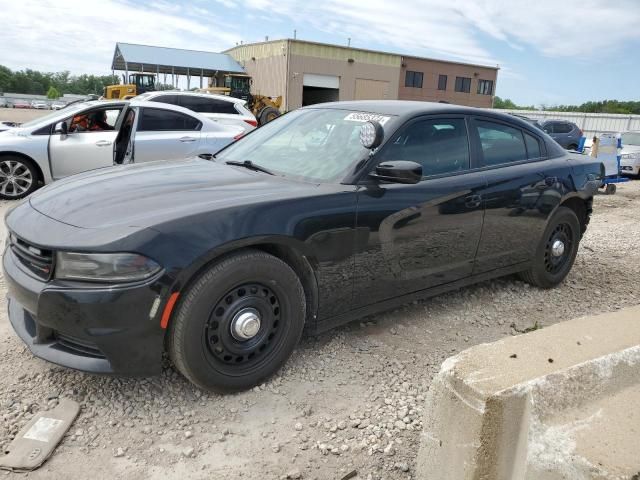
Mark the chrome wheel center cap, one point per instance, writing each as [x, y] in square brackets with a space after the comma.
[245, 324]
[557, 249]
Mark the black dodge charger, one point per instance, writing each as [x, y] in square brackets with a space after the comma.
[324, 215]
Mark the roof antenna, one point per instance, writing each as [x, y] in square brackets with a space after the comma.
[295, 33]
[349, 42]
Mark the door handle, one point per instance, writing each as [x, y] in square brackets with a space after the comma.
[473, 201]
[103, 143]
[187, 139]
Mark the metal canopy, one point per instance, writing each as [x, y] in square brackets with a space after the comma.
[138, 58]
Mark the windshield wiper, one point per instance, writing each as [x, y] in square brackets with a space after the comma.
[250, 165]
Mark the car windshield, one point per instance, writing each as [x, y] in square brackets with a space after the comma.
[315, 145]
[58, 114]
[631, 138]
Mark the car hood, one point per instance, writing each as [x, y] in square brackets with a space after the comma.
[149, 194]
[630, 149]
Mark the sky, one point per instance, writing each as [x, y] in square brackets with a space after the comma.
[549, 51]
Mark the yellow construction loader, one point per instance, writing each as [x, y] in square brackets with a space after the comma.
[263, 107]
[138, 83]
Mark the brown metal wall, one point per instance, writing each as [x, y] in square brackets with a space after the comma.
[432, 69]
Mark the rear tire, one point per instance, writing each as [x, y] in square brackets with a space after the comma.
[18, 177]
[267, 114]
[573, 146]
[207, 342]
[557, 250]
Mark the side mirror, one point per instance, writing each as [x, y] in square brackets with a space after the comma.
[399, 171]
[61, 128]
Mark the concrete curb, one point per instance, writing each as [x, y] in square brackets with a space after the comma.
[557, 403]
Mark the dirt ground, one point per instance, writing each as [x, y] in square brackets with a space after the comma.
[348, 400]
[21, 115]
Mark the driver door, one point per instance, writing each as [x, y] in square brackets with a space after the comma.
[88, 144]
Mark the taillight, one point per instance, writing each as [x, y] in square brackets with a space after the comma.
[253, 123]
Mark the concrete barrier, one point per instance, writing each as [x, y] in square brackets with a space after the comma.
[562, 402]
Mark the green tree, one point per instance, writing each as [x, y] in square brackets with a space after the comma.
[53, 93]
[509, 104]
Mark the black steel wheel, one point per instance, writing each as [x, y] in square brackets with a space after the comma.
[241, 326]
[557, 250]
[238, 322]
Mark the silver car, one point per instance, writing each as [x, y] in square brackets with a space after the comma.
[97, 134]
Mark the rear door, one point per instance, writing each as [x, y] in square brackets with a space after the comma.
[89, 143]
[165, 135]
[217, 110]
[414, 237]
[523, 187]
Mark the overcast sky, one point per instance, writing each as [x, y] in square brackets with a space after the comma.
[549, 51]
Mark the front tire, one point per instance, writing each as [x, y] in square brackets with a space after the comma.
[238, 323]
[18, 177]
[557, 250]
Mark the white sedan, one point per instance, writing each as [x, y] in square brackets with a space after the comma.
[97, 134]
[219, 108]
[630, 155]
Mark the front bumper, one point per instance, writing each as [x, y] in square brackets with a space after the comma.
[630, 168]
[101, 329]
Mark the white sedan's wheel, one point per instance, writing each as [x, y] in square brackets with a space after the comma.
[18, 178]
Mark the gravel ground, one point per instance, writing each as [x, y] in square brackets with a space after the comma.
[348, 400]
[21, 115]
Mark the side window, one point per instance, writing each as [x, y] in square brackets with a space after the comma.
[208, 105]
[500, 143]
[533, 146]
[157, 120]
[172, 99]
[439, 145]
[97, 120]
[562, 127]
[548, 127]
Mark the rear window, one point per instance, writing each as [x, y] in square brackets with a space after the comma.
[562, 128]
[157, 120]
[172, 99]
[533, 146]
[208, 105]
[500, 143]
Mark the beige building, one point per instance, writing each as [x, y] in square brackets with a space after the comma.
[304, 73]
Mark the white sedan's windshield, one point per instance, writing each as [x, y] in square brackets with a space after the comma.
[53, 116]
[316, 145]
[631, 138]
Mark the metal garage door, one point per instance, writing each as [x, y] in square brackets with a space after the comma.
[371, 89]
[322, 81]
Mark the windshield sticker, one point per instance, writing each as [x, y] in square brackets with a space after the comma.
[366, 117]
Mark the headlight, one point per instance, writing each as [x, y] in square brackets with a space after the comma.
[630, 156]
[104, 267]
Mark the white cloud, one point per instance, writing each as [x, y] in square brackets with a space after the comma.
[80, 35]
[564, 28]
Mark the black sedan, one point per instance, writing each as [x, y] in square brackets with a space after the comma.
[324, 215]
